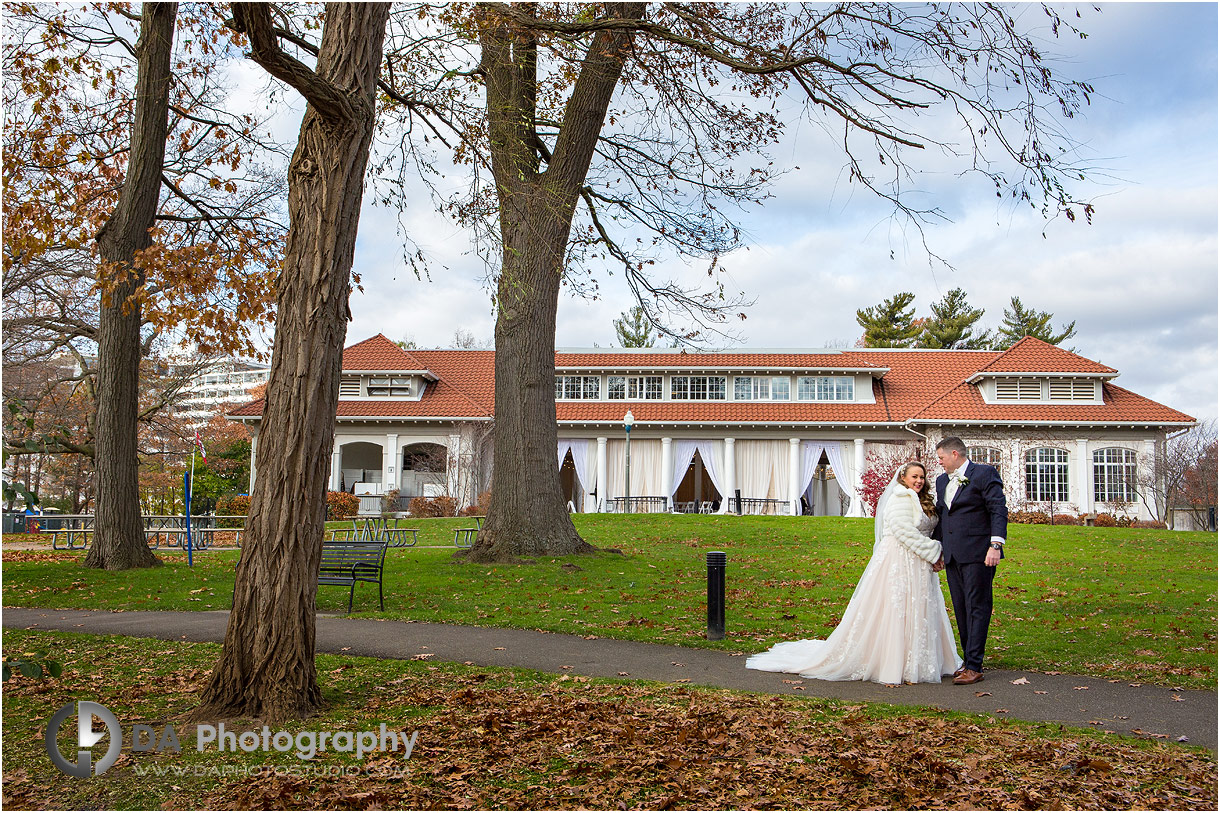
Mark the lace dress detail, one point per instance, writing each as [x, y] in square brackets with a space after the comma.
[895, 628]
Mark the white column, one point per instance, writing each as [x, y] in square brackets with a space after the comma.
[603, 475]
[1149, 460]
[253, 452]
[1084, 477]
[730, 474]
[794, 474]
[389, 468]
[336, 461]
[667, 470]
[452, 464]
[857, 504]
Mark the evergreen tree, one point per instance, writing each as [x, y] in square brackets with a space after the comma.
[890, 324]
[952, 325]
[1020, 322]
[634, 330]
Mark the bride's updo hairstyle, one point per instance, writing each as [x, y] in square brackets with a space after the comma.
[926, 500]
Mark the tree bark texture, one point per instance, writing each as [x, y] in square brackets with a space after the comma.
[267, 667]
[527, 516]
[118, 542]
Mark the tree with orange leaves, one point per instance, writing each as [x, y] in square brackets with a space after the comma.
[127, 183]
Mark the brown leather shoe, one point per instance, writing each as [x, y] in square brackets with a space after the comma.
[958, 671]
[967, 677]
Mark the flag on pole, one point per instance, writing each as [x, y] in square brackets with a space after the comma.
[198, 442]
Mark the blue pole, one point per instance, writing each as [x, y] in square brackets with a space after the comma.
[186, 478]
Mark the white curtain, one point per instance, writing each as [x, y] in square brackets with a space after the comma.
[762, 468]
[842, 457]
[580, 459]
[811, 453]
[647, 479]
[710, 451]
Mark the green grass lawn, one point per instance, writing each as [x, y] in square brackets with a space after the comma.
[1114, 603]
[517, 739]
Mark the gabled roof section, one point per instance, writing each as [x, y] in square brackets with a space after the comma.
[964, 404]
[1035, 356]
[379, 354]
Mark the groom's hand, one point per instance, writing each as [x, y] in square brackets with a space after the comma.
[938, 565]
[993, 557]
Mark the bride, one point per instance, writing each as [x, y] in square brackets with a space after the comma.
[895, 628]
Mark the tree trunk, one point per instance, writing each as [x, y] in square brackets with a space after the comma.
[267, 667]
[118, 541]
[527, 516]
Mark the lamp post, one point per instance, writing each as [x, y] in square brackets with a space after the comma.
[628, 422]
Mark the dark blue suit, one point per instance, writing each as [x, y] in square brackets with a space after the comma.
[978, 513]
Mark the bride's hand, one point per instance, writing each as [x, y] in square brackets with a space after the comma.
[938, 565]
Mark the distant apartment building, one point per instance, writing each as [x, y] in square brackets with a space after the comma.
[225, 383]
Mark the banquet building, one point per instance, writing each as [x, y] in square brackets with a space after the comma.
[755, 431]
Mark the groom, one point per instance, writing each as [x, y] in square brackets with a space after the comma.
[973, 525]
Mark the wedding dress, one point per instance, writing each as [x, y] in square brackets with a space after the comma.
[895, 628]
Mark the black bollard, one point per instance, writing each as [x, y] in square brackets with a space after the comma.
[738, 498]
[716, 561]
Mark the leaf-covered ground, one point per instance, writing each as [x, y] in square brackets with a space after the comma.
[515, 739]
[1132, 604]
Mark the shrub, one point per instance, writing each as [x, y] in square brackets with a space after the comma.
[1066, 519]
[232, 505]
[433, 507]
[1029, 517]
[389, 501]
[341, 505]
[1149, 523]
[1105, 521]
[479, 509]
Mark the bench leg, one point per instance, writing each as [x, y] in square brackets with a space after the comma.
[350, 596]
[380, 596]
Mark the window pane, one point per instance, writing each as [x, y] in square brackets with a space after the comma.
[779, 389]
[679, 387]
[743, 388]
[1114, 475]
[805, 388]
[652, 387]
[616, 386]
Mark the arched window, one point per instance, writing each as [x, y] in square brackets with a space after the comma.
[985, 454]
[1046, 475]
[1114, 475]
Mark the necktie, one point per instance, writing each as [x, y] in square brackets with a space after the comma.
[951, 490]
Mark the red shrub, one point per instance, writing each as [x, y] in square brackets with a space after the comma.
[341, 505]
[233, 505]
[1149, 523]
[1066, 519]
[1029, 517]
[1105, 521]
[433, 507]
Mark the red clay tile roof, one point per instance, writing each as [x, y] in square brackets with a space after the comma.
[379, 353]
[925, 386]
[1032, 355]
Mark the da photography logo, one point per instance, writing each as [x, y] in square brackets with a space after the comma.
[86, 738]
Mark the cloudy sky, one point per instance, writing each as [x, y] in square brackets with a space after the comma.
[1140, 282]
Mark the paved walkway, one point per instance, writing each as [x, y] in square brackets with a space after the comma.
[1119, 706]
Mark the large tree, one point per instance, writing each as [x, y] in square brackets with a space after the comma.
[632, 329]
[136, 218]
[118, 541]
[654, 120]
[952, 325]
[266, 669]
[890, 324]
[1020, 321]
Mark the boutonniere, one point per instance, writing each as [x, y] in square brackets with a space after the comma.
[961, 480]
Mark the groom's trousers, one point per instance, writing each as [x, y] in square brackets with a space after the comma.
[970, 589]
